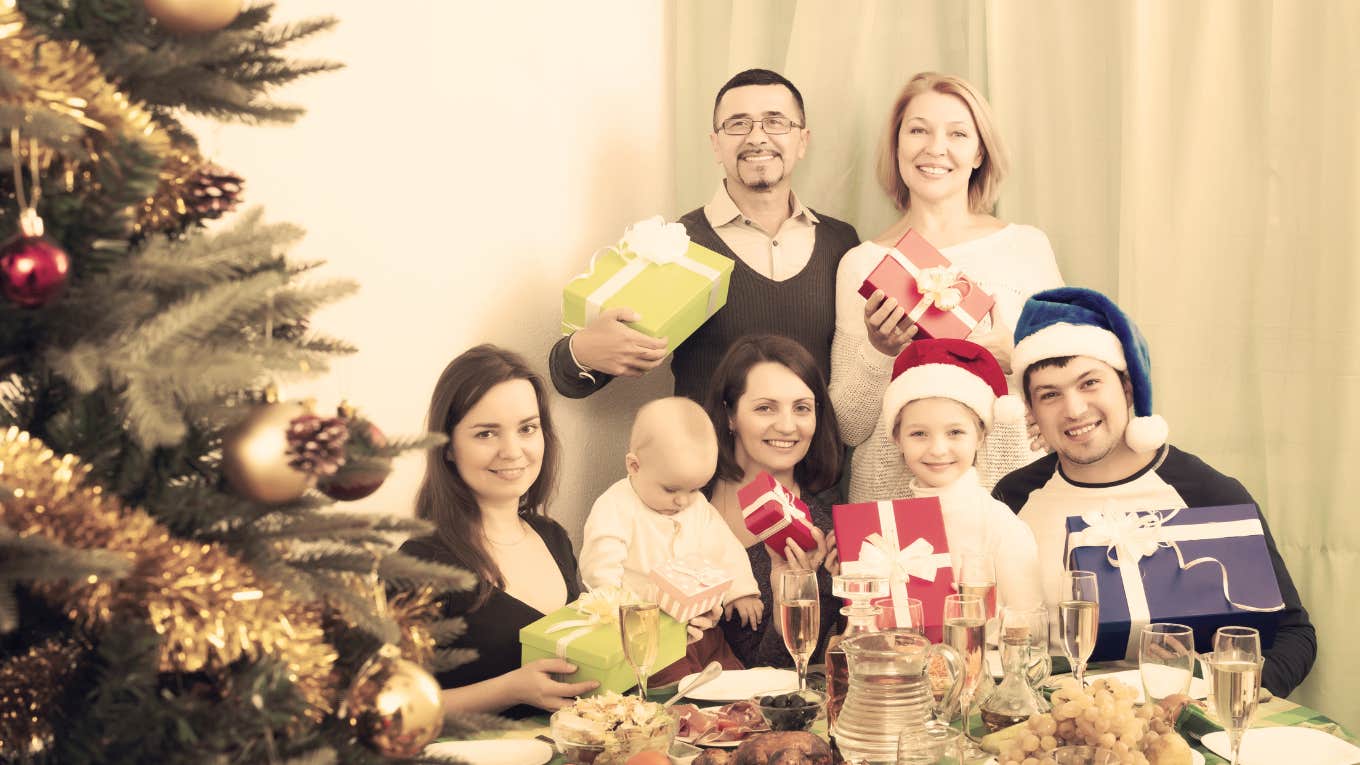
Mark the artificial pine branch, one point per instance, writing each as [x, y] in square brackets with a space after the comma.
[407, 572]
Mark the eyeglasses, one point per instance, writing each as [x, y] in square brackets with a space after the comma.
[771, 125]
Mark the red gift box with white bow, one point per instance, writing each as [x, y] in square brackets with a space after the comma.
[940, 298]
[774, 515]
[902, 540]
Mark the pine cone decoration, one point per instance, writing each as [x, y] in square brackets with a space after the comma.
[316, 445]
[212, 192]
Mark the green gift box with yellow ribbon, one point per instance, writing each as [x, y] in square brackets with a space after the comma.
[586, 633]
[675, 284]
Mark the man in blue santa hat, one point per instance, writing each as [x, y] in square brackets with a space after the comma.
[1082, 366]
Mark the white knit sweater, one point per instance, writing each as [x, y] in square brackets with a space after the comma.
[976, 523]
[1010, 264]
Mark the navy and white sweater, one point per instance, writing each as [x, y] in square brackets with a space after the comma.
[1044, 498]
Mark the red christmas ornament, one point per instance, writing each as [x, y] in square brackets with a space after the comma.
[33, 270]
[351, 481]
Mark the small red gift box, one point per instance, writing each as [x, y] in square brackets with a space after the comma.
[904, 541]
[936, 295]
[774, 515]
[689, 587]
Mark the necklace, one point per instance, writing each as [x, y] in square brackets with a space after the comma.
[522, 537]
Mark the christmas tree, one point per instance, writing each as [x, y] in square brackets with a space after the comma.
[176, 584]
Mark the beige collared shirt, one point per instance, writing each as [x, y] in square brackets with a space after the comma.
[776, 257]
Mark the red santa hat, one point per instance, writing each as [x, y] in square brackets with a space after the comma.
[954, 369]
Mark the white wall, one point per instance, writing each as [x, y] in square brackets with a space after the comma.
[462, 168]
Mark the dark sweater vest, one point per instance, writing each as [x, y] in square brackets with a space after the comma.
[802, 307]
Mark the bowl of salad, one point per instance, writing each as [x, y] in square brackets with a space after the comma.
[608, 729]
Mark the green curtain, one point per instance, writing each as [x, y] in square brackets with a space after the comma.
[1199, 161]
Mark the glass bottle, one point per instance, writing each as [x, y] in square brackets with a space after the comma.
[861, 618]
[1014, 700]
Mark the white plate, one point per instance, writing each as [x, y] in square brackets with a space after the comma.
[1271, 746]
[717, 744]
[1199, 687]
[500, 751]
[742, 684]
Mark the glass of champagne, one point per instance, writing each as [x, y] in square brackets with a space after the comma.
[965, 630]
[1236, 684]
[1078, 617]
[976, 575]
[640, 628]
[1166, 660]
[800, 617]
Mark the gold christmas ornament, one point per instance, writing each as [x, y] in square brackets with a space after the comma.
[187, 17]
[209, 608]
[394, 705]
[255, 454]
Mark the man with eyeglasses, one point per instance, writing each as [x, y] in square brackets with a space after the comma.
[784, 276]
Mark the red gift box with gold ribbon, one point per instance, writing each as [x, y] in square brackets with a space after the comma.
[940, 298]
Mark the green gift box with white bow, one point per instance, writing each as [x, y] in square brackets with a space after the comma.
[675, 284]
[586, 633]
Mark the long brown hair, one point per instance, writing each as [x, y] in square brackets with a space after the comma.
[444, 498]
[821, 467]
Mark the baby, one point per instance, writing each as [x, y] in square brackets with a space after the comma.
[659, 513]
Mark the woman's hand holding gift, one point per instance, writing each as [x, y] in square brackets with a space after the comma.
[887, 324]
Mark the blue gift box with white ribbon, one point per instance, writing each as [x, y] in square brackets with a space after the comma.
[1205, 567]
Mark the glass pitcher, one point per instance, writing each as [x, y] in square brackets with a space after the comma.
[890, 692]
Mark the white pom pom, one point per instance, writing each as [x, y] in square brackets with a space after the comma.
[1145, 434]
[1008, 409]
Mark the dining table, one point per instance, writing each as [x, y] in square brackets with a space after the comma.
[1276, 712]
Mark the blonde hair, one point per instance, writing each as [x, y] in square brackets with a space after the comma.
[984, 185]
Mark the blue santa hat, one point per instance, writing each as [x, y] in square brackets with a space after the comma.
[1072, 321]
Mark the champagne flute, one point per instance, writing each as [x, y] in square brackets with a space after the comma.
[640, 628]
[976, 575]
[1078, 617]
[800, 617]
[1166, 660]
[965, 630]
[1236, 666]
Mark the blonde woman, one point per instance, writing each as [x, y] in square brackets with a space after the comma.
[942, 163]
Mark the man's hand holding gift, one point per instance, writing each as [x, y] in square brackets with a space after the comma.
[609, 345]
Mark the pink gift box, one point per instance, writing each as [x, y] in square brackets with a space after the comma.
[774, 515]
[903, 540]
[924, 283]
[689, 587]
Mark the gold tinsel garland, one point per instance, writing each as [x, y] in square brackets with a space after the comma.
[30, 686]
[210, 608]
[413, 611]
[64, 77]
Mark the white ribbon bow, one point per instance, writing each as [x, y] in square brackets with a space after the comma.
[883, 555]
[788, 506]
[1129, 537]
[648, 242]
[917, 559]
[600, 608]
[701, 574]
[941, 286]
[655, 240]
